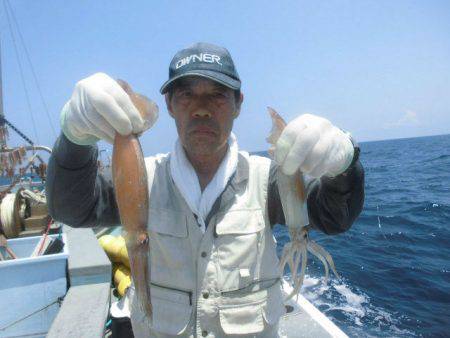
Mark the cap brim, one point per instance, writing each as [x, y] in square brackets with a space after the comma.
[215, 76]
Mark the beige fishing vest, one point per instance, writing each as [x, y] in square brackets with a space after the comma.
[218, 283]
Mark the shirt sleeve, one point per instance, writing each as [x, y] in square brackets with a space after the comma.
[77, 194]
[333, 203]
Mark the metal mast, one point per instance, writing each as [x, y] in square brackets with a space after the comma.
[3, 131]
[1, 85]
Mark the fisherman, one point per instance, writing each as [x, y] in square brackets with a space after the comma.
[212, 207]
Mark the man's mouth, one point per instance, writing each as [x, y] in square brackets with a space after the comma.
[203, 130]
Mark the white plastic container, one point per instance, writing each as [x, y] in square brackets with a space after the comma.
[28, 285]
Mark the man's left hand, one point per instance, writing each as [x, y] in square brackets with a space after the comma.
[313, 145]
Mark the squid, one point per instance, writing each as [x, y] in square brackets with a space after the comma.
[131, 189]
[295, 252]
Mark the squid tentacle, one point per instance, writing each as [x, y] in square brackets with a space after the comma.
[284, 258]
[298, 280]
[298, 257]
[312, 250]
[326, 255]
[295, 255]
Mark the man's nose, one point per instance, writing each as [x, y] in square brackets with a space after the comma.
[201, 113]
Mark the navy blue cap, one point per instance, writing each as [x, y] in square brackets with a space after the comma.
[205, 60]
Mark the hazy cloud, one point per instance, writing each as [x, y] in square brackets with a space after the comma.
[408, 119]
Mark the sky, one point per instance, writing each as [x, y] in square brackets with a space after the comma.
[378, 69]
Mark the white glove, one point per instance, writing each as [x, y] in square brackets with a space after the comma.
[99, 108]
[313, 145]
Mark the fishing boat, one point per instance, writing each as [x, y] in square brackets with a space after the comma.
[82, 308]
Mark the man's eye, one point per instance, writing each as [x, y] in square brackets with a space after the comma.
[219, 95]
[184, 94]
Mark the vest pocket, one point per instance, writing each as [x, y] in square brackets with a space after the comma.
[168, 222]
[239, 233]
[172, 309]
[168, 242]
[244, 319]
[247, 314]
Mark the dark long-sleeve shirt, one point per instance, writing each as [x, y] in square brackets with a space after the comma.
[81, 197]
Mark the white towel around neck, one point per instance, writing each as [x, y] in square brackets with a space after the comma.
[187, 182]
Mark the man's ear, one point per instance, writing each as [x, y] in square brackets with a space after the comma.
[168, 104]
[238, 105]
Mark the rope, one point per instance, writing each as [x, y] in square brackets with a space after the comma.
[22, 76]
[37, 197]
[59, 301]
[32, 68]
[7, 216]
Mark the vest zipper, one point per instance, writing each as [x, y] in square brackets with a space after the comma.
[174, 289]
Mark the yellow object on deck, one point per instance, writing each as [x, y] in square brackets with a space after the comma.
[123, 256]
[116, 249]
[123, 285]
[120, 271]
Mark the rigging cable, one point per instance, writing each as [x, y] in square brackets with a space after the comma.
[3, 120]
[21, 71]
[44, 104]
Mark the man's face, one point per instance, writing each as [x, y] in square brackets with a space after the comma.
[204, 112]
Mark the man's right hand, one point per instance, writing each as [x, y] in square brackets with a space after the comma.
[99, 108]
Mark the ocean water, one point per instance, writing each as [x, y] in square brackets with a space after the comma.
[395, 260]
